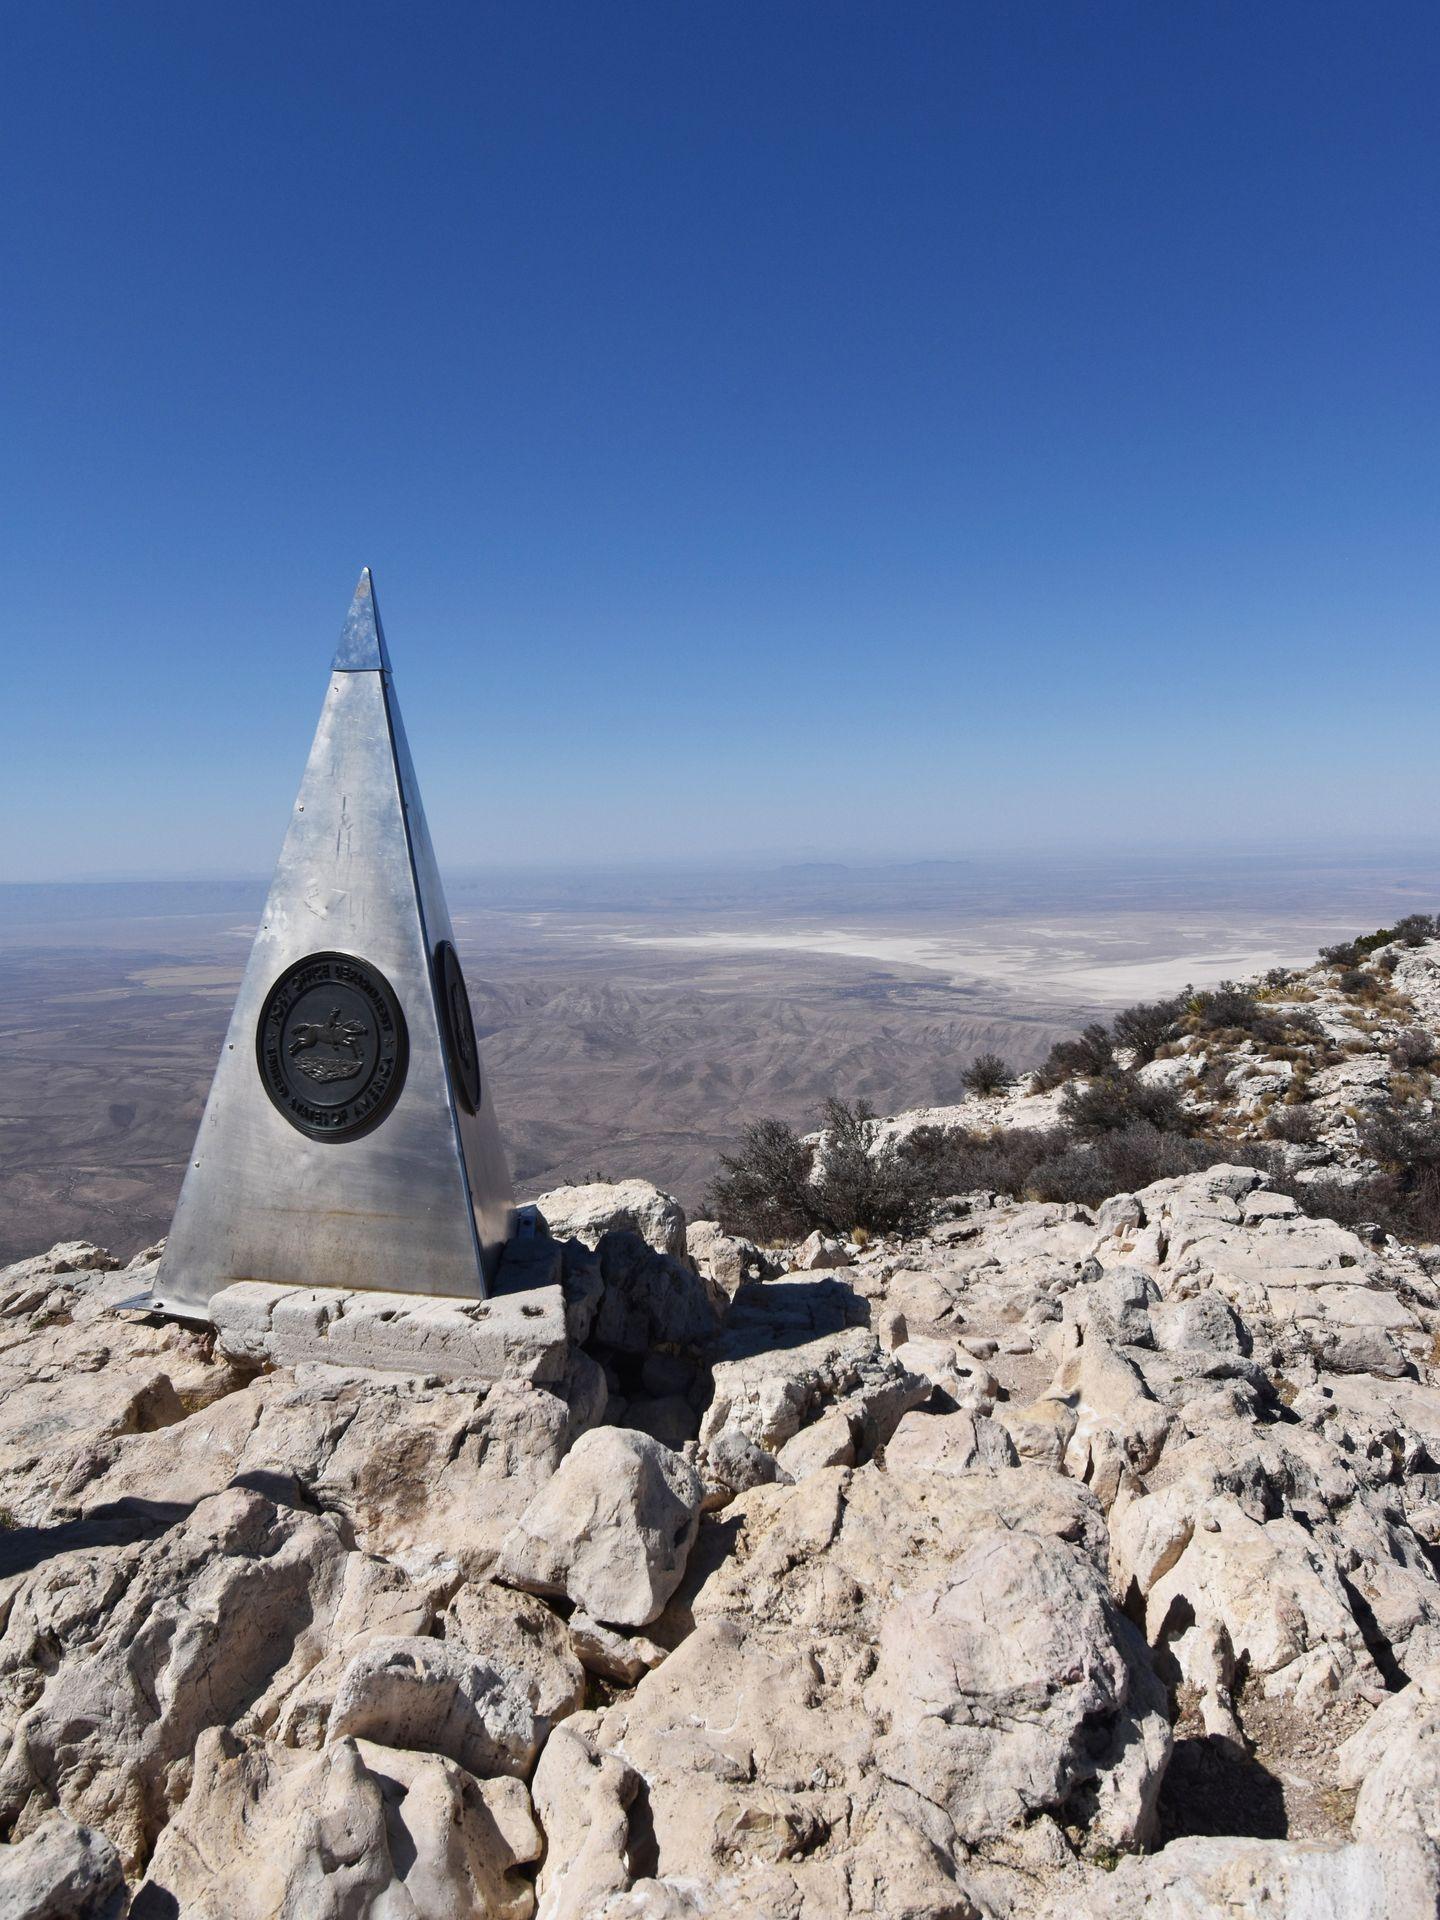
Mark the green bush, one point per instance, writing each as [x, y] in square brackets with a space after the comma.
[1226, 1008]
[1116, 1133]
[1120, 1161]
[763, 1189]
[1297, 1126]
[771, 1189]
[1414, 1049]
[1093, 1052]
[1117, 1100]
[1147, 1027]
[1415, 929]
[1344, 953]
[987, 1073]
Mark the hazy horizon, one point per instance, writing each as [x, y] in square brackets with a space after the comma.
[632, 1020]
[1326, 850]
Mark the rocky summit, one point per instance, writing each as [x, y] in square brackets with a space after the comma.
[1050, 1557]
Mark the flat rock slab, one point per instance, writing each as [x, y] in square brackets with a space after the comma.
[517, 1336]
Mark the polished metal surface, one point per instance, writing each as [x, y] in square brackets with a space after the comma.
[422, 1202]
[362, 638]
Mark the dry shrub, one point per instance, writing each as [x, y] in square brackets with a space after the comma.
[987, 1073]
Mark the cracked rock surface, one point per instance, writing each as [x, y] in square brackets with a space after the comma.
[1055, 1562]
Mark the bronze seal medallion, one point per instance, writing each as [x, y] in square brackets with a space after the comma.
[331, 1046]
[459, 1027]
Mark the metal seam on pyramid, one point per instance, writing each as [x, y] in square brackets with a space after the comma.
[398, 762]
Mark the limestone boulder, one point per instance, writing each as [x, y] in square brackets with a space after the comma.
[755, 1758]
[68, 1257]
[1270, 1545]
[820, 1252]
[1014, 1686]
[611, 1530]
[1394, 1760]
[842, 1546]
[826, 1442]
[216, 1620]
[621, 1657]
[591, 1211]
[885, 1670]
[47, 1427]
[435, 1477]
[69, 1386]
[1299, 1880]
[1039, 1430]
[528, 1643]
[1119, 1425]
[956, 1376]
[1117, 1306]
[487, 1693]
[728, 1259]
[429, 1475]
[435, 1696]
[794, 1349]
[1220, 1588]
[653, 1299]
[1203, 1320]
[948, 1443]
[582, 1801]
[61, 1872]
[355, 1829]
[1394, 1418]
[733, 1464]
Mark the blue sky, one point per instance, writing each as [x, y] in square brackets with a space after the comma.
[776, 428]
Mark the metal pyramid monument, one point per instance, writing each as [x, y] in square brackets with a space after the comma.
[349, 1139]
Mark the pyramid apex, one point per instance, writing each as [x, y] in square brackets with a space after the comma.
[362, 638]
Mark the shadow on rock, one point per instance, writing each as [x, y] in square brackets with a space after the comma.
[118, 1524]
[1213, 1787]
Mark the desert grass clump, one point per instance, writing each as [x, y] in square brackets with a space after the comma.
[1231, 1014]
[1276, 983]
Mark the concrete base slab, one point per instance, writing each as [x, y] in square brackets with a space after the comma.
[515, 1336]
